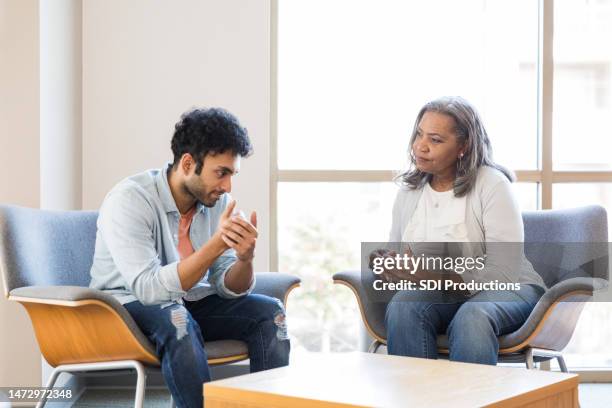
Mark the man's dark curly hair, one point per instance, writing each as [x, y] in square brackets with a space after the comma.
[209, 131]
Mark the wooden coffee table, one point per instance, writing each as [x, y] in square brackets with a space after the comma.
[375, 380]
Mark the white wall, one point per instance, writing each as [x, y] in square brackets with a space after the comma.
[19, 174]
[146, 62]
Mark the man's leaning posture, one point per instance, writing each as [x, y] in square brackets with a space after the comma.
[170, 248]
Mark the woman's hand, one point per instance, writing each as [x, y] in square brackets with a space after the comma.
[380, 253]
[396, 274]
[388, 274]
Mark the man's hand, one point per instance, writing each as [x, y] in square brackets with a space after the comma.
[239, 234]
[224, 220]
[192, 268]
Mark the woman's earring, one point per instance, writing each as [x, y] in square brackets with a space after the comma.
[460, 164]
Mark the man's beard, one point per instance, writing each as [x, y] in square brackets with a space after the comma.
[201, 194]
[211, 200]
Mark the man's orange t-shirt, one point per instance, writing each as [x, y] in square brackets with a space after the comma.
[185, 248]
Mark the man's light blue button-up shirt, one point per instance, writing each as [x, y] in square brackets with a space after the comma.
[136, 254]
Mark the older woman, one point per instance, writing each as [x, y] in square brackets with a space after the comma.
[454, 192]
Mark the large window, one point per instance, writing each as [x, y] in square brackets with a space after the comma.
[321, 226]
[351, 76]
[582, 85]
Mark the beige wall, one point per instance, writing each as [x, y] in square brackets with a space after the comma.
[19, 175]
[145, 62]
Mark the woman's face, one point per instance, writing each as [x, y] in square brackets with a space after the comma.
[435, 146]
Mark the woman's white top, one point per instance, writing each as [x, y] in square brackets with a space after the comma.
[438, 217]
[488, 218]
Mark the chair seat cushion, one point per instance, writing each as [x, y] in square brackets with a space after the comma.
[225, 348]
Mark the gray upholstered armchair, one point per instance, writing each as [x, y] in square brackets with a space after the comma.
[548, 235]
[45, 257]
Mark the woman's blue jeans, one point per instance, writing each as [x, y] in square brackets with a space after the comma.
[178, 333]
[414, 319]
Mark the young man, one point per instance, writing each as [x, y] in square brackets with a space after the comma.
[170, 249]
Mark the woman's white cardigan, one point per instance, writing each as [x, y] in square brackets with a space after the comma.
[494, 226]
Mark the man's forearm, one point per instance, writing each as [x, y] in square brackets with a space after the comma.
[240, 276]
[192, 269]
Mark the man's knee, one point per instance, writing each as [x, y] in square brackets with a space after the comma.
[271, 313]
[180, 321]
[176, 324]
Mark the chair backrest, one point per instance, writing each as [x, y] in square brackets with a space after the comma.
[566, 243]
[40, 247]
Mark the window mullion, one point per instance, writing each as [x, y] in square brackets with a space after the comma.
[545, 99]
[273, 252]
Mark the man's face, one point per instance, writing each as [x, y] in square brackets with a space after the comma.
[214, 180]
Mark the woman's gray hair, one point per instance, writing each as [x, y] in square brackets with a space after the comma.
[470, 132]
